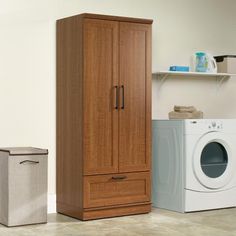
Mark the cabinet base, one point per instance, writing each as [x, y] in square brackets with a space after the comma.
[98, 213]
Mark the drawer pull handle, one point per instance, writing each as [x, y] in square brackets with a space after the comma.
[29, 161]
[119, 177]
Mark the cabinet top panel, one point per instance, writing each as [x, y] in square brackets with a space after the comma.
[110, 17]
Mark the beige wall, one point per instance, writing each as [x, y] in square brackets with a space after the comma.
[27, 60]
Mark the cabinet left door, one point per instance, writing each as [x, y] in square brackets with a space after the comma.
[100, 78]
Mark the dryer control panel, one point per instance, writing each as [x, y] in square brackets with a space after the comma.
[201, 126]
[215, 125]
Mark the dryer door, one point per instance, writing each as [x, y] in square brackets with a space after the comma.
[213, 164]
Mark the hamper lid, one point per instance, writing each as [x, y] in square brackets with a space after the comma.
[24, 151]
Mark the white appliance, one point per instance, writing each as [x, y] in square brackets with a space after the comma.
[194, 164]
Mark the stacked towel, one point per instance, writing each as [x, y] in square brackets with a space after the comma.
[185, 112]
[184, 109]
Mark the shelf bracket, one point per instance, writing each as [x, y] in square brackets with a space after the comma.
[220, 81]
[162, 79]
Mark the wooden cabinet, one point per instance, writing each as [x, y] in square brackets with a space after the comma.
[103, 116]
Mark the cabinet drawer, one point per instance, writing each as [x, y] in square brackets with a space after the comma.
[107, 190]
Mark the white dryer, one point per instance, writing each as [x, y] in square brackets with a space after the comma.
[194, 164]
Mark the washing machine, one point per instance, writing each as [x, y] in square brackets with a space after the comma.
[194, 164]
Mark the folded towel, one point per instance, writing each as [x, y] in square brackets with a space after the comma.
[186, 115]
[184, 108]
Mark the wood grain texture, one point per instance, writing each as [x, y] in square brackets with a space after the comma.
[95, 141]
[69, 145]
[116, 211]
[70, 210]
[103, 190]
[112, 18]
[135, 118]
[100, 78]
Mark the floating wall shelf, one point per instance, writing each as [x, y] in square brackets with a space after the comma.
[163, 75]
[197, 74]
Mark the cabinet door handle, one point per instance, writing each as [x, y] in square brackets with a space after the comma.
[123, 97]
[119, 177]
[117, 97]
[29, 161]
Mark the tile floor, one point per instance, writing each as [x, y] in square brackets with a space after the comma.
[158, 222]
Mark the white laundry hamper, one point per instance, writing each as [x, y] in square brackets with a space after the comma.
[23, 186]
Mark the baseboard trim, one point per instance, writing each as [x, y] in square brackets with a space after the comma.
[119, 211]
[92, 214]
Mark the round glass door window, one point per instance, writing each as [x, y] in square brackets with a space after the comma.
[214, 160]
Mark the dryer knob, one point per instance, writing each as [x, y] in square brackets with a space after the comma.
[213, 124]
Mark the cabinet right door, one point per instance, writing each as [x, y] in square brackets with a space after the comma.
[135, 97]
